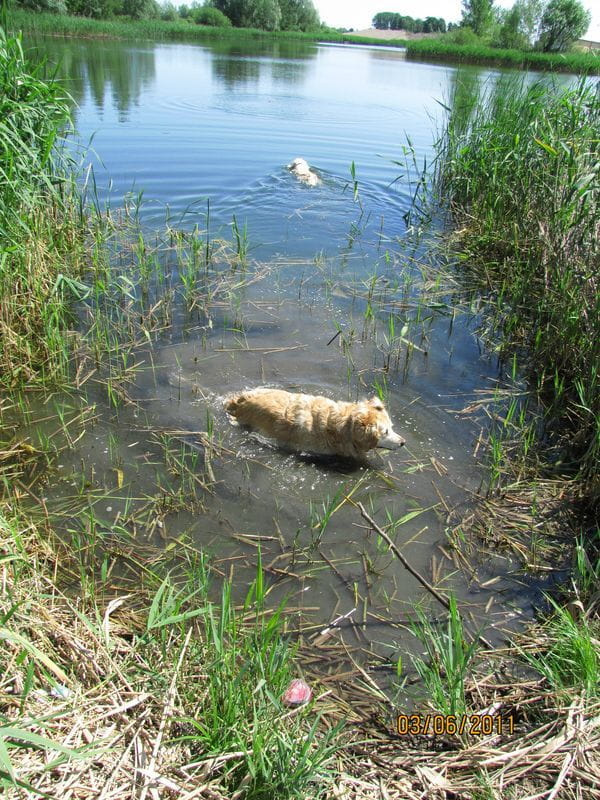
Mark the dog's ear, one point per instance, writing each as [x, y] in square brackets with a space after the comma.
[366, 434]
[375, 403]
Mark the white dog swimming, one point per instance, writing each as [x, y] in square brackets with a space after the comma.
[300, 168]
[315, 424]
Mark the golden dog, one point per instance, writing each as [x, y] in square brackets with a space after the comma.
[300, 168]
[315, 424]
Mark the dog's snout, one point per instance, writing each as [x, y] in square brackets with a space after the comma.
[391, 441]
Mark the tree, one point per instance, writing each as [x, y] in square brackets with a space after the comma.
[478, 15]
[383, 20]
[234, 9]
[563, 22]
[168, 12]
[97, 9]
[518, 26]
[52, 6]
[206, 15]
[531, 16]
[298, 15]
[263, 14]
[141, 9]
[509, 35]
[434, 25]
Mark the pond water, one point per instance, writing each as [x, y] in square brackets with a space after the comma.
[334, 298]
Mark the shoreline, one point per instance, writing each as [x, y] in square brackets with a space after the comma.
[422, 49]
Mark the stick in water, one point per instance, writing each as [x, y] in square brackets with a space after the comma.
[406, 564]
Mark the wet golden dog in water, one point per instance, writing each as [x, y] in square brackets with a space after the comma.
[301, 169]
[314, 424]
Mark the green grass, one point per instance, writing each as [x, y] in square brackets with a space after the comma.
[41, 221]
[518, 166]
[159, 30]
[438, 49]
[568, 657]
[212, 676]
[447, 668]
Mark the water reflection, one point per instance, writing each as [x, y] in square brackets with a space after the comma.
[232, 70]
[235, 63]
[179, 121]
[107, 72]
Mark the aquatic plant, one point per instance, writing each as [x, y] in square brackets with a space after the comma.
[519, 170]
[568, 656]
[449, 660]
[41, 222]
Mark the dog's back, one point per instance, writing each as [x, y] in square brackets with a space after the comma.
[314, 423]
[298, 420]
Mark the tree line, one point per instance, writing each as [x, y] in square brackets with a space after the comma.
[386, 20]
[552, 26]
[271, 15]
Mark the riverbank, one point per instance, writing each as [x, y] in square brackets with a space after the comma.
[159, 30]
[419, 49]
[518, 168]
[121, 671]
[440, 50]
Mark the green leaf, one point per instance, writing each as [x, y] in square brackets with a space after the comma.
[12, 636]
[548, 148]
[5, 762]
[175, 618]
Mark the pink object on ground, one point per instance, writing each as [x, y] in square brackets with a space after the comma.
[297, 693]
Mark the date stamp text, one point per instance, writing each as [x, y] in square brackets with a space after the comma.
[453, 724]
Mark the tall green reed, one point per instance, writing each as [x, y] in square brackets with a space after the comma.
[40, 220]
[519, 167]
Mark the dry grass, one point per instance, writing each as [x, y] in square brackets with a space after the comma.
[129, 694]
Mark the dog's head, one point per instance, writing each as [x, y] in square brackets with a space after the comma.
[372, 427]
[299, 166]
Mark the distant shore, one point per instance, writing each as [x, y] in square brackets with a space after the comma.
[425, 47]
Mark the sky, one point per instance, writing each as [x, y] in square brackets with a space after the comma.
[359, 13]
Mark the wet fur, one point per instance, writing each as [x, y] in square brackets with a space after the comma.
[301, 169]
[315, 424]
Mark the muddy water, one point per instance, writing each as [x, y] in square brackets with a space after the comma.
[334, 301]
[168, 469]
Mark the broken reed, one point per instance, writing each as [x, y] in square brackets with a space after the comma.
[519, 167]
[40, 219]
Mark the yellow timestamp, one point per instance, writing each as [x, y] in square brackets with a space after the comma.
[453, 724]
